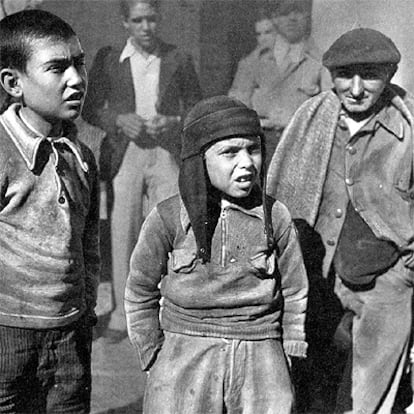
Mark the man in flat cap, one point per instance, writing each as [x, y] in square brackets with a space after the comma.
[138, 95]
[344, 168]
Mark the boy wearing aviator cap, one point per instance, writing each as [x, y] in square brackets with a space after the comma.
[226, 261]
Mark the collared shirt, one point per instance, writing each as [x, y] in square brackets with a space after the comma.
[145, 75]
[28, 140]
[49, 237]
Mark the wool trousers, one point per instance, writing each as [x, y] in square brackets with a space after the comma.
[381, 329]
[194, 375]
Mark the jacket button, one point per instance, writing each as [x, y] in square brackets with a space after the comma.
[330, 242]
[61, 200]
[349, 181]
[352, 150]
[338, 213]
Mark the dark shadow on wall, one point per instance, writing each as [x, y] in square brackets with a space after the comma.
[226, 35]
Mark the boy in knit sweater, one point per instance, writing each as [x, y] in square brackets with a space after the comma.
[226, 262]
[49, 255]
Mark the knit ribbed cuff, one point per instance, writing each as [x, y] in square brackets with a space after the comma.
[295, 348]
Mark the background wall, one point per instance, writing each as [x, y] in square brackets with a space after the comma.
[219, 32]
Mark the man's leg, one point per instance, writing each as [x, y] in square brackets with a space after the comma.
[65, 369]
[126, 220]
[161, 177]
[19, 388]
[380, 334]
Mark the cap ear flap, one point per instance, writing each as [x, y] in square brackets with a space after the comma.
[10, 81]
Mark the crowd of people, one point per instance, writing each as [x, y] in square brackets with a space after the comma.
[259, 244]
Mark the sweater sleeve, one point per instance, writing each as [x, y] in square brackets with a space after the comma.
[294, 282]
[142, 295]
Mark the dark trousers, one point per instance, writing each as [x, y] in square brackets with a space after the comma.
[45, 371]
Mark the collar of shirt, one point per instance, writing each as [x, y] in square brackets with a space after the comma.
[387, 117]
[256, 211]
[130, 50]
[283, 49]
[28, 141]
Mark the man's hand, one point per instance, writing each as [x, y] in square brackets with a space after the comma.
[131, 125]
[160, 124]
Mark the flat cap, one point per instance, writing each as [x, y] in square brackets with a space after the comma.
[361, 45]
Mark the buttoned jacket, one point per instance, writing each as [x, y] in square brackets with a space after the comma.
[111, 92]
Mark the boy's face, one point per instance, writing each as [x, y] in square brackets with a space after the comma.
[142, 25]
[234, 165]
[53, 85]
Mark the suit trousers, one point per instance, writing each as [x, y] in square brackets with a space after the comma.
[194, 375]
[146, 177]
[381, 329]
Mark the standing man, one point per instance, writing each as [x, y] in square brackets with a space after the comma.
[137, 95]
[344, 167]
[277, 78]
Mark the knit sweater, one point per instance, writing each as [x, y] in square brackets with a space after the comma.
[49, 252]
[247, 291]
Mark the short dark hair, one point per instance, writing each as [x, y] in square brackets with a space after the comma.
[125, 5]
[20, 30]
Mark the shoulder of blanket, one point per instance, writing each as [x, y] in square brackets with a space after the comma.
[324, 98]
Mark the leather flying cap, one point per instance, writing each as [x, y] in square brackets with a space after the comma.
[216, 118]
[361, 46]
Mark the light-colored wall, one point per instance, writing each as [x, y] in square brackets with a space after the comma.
[395, 18]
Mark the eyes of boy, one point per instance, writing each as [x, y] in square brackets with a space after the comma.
[60, 66]
[234, 150]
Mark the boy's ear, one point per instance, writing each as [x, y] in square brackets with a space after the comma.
[10, 81]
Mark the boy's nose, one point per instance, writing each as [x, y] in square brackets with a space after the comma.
[76, 77]
[245, 159]
[357, 87]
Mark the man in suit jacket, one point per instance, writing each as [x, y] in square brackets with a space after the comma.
[138, 95]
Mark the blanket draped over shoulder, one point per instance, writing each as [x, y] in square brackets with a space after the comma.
[298, 168]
